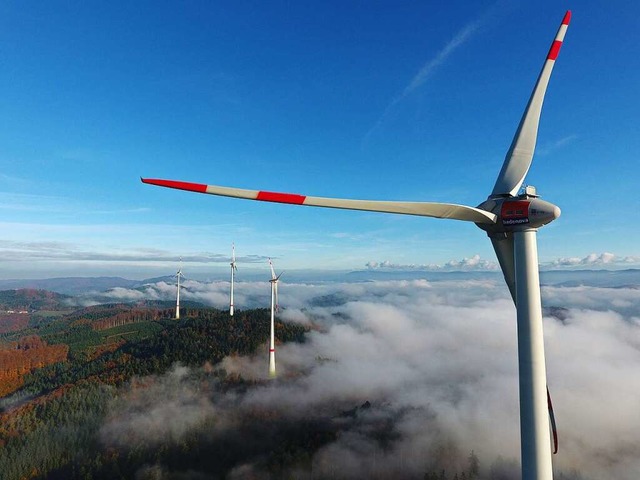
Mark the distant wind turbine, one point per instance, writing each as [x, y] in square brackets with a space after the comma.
[511, 218]
[178, 275]
[274, 309]
[233, 269]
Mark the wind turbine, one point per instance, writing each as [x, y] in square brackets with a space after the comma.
[178, 275]
[274, 309]
[233, 269]
[511, 218]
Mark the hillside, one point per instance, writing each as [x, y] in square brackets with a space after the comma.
[162, 406]
[70, 285]
[27, 299]
[50, 428]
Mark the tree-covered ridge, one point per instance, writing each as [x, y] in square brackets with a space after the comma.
[139, 312]
[163, 309]
[29, 299]
[57, 428]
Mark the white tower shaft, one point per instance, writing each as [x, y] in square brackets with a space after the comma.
[231, 300]
[178, 298]
[534, 415]
[233, 268]
[272, 349]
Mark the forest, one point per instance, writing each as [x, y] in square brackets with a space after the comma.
[65, 374]
[21, 357]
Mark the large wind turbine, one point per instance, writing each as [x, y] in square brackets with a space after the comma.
[233, 269]
[274, 309]
[511, 218]
[178, 275]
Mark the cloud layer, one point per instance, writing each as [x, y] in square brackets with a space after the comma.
[466, 264]
[592, 260]
[438, 362]
[595, 259]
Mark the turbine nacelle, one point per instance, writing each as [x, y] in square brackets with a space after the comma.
[514, 214]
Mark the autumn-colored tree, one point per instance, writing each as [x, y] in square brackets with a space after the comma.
[23, 356]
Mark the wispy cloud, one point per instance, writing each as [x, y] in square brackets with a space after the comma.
[427, 70]
[34, 202]
[15, 251]
[595, 259]
[550, 147]
[11, 179]
[475, 263]
[121, 211]
[466, 264]
[30, 202]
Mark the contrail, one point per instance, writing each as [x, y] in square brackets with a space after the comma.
[427, 70]
[459, 39]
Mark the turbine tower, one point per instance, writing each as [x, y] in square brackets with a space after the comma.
[511, 218]
[274, 309]
[233, 269]
[178, 275]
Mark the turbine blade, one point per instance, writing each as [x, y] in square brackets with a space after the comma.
[520, 154]
[423, 209]
[275, 285]
[504, 251]
[552, 419]
[273, 273]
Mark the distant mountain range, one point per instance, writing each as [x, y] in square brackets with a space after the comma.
[560, 278]
[79, 285]
[592, 278]
[566, 278]
[17, 305]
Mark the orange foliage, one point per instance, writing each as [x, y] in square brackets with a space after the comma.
[7, 419]
[21, 357]
[102, 349]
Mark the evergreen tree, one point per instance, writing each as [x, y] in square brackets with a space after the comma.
[474, 465]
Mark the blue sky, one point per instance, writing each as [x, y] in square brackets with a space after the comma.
[375, 100]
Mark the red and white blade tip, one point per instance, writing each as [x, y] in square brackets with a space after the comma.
[278, 197]
[262, 195]
[557, 43]
[193, 187]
